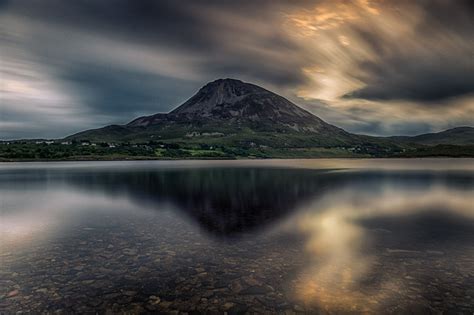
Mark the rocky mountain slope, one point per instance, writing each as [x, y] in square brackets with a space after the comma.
[236, 102]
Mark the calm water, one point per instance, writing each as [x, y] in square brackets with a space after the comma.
[314, 236]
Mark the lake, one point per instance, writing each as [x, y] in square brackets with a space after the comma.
[274, 236]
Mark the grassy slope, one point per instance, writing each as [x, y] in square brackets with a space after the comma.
[172, 141]
[233, 135]
[455, 136]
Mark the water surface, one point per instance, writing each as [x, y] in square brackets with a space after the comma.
[276, 236]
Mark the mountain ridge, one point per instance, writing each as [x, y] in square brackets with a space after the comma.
[242, 117]
[463, 135]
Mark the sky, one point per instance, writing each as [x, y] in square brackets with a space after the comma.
[375, 67]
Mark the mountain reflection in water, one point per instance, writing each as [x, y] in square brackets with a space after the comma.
[340, 239]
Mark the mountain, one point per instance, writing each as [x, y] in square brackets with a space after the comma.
[454, 136]
[239, 103]
[231, 112]
[231, 118]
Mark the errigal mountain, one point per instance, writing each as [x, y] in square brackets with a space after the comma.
[229, 118]
[231, 112]
[241, 104]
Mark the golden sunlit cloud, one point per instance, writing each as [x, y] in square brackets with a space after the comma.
[370, 48]
[328, 33]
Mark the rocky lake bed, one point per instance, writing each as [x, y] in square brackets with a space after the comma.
[139, 251]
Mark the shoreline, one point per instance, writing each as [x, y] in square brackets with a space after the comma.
[6, 161]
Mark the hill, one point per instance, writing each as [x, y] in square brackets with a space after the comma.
[454, 136]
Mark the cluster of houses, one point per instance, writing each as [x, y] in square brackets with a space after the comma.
[83, 143]
[88, 143]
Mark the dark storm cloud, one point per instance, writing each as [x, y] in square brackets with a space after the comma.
[443, 69]
[213, 29]
[108, 90]
[423, 78]
[456, 16]
[138, 20]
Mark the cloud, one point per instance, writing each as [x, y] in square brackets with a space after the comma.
[111, 63]
[123, 92]
[394, 117]
[389, 67]
[389, 50]
[433, 62]
[225, 36]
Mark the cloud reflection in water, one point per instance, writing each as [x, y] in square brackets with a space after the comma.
[343, 259]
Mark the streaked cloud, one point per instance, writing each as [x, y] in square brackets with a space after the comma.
[377, 67]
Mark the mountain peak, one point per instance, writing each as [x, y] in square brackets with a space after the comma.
[225, 81]
[228, 83]
[216, 95]
[236, 100]
[230, 101]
